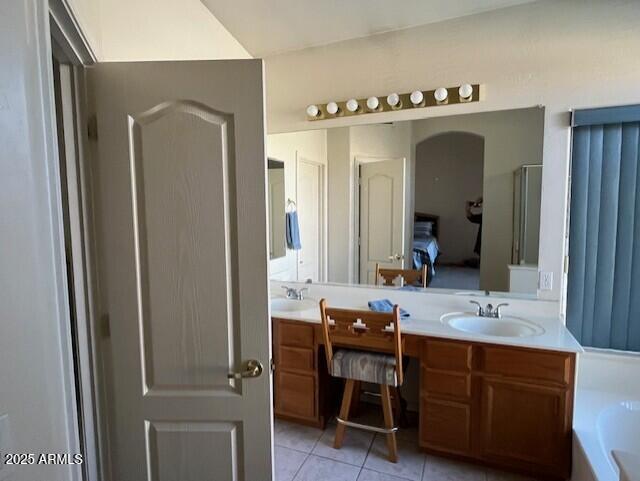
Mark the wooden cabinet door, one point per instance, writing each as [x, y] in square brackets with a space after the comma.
[445, 425]
[295, 395]
[525, 425]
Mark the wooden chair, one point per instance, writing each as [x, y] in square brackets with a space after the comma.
[410, 276]
[360, 348]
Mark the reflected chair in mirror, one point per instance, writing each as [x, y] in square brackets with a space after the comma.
[410, 277]
[365, 346]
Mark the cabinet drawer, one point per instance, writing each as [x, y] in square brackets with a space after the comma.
[300, 358]
[445, 425]
[295, 395]
[441, 383]
[540, 366]
[295, 334]
[450, 356]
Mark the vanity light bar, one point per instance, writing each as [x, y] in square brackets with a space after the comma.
[395, 102]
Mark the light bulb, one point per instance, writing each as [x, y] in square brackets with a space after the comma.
[372, 103]
[440, 94]
[313, 111]
[352, 105]
[393, 100]
[416, 97]
[332, 108]
[465, 91]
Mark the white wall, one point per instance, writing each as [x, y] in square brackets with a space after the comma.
[340, 197]
[448, 173]
[87, 14]
[121, 30]
[35, 391]
[563, 55]
[511, 138]
[312, 145]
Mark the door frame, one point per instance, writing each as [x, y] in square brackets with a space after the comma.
[71, 49]
[358, 160]
[322, 205]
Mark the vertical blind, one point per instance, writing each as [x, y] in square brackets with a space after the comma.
[603, 295]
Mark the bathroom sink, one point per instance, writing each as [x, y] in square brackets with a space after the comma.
[283, 304]
[506, 326]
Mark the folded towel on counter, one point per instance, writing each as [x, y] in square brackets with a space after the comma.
[293, 231]
[385, 305]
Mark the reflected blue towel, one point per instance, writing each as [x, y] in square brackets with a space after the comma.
[385, 305]
[293, 231]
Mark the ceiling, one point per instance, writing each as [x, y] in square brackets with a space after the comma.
[266, 27]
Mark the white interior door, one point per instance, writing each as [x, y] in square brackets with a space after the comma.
[309, 202]
[381, 216]
[182, 240]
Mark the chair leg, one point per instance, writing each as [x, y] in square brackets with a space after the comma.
[344, 412]
[399, 405]
[385, 396]
[355, 400]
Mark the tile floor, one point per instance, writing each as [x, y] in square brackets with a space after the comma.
[306, 454]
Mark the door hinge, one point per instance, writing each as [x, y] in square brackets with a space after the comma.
[272, 365]
[566, 264]
[105, 326]
[92, 127]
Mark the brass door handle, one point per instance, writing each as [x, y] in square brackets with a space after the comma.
[252, 368]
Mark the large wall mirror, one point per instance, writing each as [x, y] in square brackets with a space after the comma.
[457, 198]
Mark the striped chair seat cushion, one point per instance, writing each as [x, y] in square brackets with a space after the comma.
[364, 366]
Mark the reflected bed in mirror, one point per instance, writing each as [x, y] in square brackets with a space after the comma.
[459, 195]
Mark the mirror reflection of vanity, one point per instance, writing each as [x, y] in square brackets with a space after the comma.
[457, 194]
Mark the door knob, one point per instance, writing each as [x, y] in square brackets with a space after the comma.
[252, 368]
[396, 257]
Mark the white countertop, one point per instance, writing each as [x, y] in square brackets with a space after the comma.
[426, 310]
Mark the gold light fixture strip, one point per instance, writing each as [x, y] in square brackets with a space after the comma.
[454, 96]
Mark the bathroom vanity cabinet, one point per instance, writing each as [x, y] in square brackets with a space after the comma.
[504, 406]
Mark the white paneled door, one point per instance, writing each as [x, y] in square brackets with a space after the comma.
[382, 194]
[181, 216]
[309, 196]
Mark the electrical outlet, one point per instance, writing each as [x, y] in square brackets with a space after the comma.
[545, 281]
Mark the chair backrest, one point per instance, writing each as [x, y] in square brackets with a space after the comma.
[365, 330]
[410, 276]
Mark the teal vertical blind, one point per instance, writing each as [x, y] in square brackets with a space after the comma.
[603, 293]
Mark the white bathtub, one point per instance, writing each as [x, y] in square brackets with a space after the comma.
[607, 419]
[618, 428]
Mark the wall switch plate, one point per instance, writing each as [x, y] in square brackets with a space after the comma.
[545, 280]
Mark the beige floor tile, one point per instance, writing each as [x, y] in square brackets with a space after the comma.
[296, 436]
[287, 463]
[316, 468]
[410, 459]
[354, 448]
[443, 469]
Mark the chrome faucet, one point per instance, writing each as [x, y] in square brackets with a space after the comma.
[293, 293]
[489, 311]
